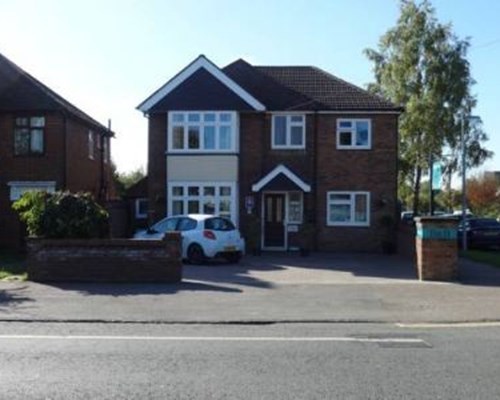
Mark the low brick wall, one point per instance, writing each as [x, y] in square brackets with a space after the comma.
[436, 248]
[105, 260]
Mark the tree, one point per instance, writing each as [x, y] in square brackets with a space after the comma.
[421, 65]
[124, 180]
[483, 195]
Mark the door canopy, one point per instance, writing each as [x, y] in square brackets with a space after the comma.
[281, 178]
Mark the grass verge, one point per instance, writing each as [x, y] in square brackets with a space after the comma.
[491, 257]
[12, 266]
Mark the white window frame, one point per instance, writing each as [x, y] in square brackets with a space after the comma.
[138, 213]
[18, 188]
[288, 206]
[105, 149]
[234, 127]
[352, 203]
[91, 144]
[353, 132]
[289, 125]
[233, 211]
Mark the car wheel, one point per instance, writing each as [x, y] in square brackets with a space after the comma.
[233, 258]
[195, 254]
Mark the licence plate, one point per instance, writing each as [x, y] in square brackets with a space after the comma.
[490, 234]
[230, 248]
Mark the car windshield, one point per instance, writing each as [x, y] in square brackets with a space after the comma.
[165, 225]
[219, 224]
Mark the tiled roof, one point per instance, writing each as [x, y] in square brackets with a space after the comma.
[303, 88]
[19, 91]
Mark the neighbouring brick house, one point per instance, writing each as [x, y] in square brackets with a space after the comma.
[136, 198]
[281, 145]
[46, 144]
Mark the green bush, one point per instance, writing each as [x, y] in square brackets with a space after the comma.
[62, 215]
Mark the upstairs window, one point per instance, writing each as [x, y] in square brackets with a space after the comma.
[202, 132]
[288, 132]
[354, 134]
[29, 135]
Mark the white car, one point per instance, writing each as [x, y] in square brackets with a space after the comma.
[203, 236]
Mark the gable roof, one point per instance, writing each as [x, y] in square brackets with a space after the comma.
[19, 91]
[200, 63]
[201, 91]
[304, 88]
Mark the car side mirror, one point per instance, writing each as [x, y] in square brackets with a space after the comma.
[151, 231]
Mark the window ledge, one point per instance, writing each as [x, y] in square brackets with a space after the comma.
[349, 224]
[274, 147]
[354, 148]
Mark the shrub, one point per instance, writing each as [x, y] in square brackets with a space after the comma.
[62, 215]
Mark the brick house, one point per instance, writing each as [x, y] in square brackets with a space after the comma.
[46, 144]
[279, 145]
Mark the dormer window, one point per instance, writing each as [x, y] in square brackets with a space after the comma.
[289, 131]
[211, 131]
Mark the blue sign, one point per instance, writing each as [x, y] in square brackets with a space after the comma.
[436, 176]
[437, 233]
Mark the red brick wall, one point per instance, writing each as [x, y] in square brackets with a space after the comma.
[373, 170]
[321, 165]
[157, 169]
[79, 174]
[105, 260]
[83, 173]
[257, 158]
[327, 169]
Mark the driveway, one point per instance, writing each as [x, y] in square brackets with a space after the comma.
[272, 269]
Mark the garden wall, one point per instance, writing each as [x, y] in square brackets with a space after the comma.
[105, 260]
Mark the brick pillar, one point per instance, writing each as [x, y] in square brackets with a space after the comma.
[436, 247]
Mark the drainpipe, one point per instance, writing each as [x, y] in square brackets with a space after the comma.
[314, 183]
[65, 152]
[102, 181]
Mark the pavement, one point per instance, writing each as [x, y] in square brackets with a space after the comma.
[268, 289]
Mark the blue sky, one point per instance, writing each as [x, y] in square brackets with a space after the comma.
[108, 56]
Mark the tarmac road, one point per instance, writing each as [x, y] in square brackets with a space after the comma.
[276, 361]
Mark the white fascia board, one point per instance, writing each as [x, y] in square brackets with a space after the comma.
[360, 112]
[200, 62]
[281, 169]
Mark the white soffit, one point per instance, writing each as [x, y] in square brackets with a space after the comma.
[200, 62]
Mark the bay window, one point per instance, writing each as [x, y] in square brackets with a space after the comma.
[207, 131]
[202, 198]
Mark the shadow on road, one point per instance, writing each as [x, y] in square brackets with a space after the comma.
[13, 299]
[137, 289]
